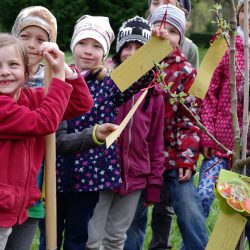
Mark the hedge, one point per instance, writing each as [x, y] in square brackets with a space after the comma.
[201, 39]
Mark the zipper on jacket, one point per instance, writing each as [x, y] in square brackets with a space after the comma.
[129, 141]
[24, 192]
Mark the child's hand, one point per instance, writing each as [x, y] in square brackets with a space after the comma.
[102, 131]
[184, 174]
[55, 57]
[160, 32]
[69, 72]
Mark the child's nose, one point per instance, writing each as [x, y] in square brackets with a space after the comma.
[4, 70]
[87, 49]
[32, 43]
[132, 51]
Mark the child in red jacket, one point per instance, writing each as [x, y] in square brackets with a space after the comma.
[26, 116]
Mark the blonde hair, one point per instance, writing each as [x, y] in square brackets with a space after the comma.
[9, 40]
[100, 71]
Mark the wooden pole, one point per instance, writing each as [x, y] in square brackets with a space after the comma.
[50, 179]
[236, 129]
[246, 85]
[246, 102]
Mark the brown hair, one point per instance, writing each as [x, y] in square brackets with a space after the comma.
[100, 71]
[9, 40]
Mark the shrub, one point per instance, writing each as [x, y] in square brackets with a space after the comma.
[201, 39]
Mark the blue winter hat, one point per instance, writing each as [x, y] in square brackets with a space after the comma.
[175, 16]
[184, 3]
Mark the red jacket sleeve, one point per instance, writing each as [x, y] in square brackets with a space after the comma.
[80, 100]
[28, 117]
[188, 135]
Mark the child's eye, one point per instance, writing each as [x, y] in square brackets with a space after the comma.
[97, 46]
[82, 43]
[23, 36]
[155, 3]
[173, 31]
[41, 40]
[14, 64]
[126, 45]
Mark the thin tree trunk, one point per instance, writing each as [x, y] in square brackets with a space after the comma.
[236, 129]
[246, 85]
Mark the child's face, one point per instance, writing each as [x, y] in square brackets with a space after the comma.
[11, 71]
[241, 17]
[32, 37]
[173, 34]
[87, 54]
[156, 3]
[128, 50]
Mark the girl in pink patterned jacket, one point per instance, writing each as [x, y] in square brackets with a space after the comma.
[216, 116]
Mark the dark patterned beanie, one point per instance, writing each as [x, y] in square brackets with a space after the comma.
[136, 29]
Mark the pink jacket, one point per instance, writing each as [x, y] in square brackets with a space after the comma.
[216, 107]
[141, 147]
[23, 124]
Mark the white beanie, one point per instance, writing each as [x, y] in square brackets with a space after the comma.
[175, 16]
[95, 27]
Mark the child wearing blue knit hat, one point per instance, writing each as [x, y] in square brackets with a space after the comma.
[178, 176]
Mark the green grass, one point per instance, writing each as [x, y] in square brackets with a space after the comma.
[175, 237]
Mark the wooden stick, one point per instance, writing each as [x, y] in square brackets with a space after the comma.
[236, 128]
[246, 86]
[50, 179]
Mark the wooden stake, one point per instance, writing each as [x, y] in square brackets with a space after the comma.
[50, 179]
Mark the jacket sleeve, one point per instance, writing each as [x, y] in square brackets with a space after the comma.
[193, 56]
[19, 120]
[188, 134]
[74, 142]
[156, 148]
[209, 105]
[122, 97]
[80, 100]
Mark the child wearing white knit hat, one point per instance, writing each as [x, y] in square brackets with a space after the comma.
[95, 27]
[86, 173]
[115, 210]
[92, 35]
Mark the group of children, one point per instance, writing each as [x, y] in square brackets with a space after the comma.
[103, 194]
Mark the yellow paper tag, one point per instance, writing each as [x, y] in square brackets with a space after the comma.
[141, 62]
[114, 135]
[207, 68]
[227, 232]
